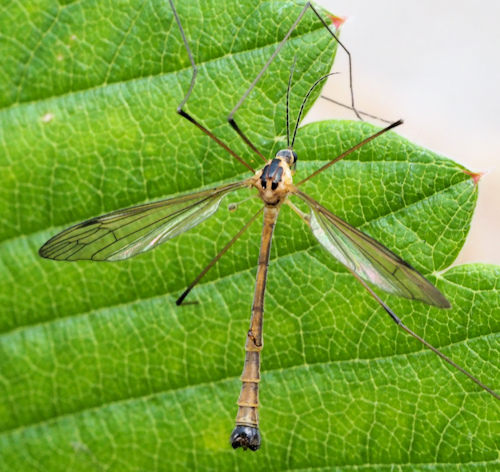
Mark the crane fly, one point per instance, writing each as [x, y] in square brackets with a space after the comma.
[125, 233]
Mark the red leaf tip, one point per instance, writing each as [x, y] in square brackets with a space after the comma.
[337, 21]
[475, 176]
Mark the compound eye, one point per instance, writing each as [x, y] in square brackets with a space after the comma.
[282, 153]
[289, 155]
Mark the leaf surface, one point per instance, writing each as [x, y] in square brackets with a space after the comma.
[100, 370]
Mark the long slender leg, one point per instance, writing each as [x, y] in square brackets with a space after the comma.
[184, 113]
[217, 257]
[246, 432]
[230, 118]
[343, 105]
[303, 216]
[345, 153]
[396, 319]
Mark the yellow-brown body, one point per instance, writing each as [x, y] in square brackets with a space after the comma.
[274, 182]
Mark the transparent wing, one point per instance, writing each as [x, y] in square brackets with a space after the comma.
[124, 233]
[368, 258]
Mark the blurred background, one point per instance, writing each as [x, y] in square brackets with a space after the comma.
[436, 65]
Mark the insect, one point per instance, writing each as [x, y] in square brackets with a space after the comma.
[125, 233]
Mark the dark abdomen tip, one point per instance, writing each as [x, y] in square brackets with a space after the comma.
[246, 437]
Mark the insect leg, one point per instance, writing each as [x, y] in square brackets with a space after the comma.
[396, 319]
[354, 148]
[363, 113]
[343, 105]
[230, 118]
[216, 258]
[188, 116]
[303, 216]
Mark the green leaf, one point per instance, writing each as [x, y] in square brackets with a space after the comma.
[100, 370]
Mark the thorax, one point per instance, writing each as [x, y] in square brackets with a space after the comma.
[274, 182]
